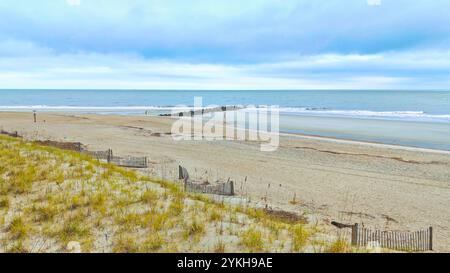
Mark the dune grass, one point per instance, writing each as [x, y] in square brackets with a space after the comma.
[50, 197]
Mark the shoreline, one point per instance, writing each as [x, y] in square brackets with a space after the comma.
[368, 143]
[282, 133]
[383, 186]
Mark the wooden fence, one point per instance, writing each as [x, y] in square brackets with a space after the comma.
[72, 146]
[100, 155]
[130, 162]
[226, 188]
[421, 240]
[13, 134]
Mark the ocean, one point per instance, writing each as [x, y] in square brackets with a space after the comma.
[410, 118]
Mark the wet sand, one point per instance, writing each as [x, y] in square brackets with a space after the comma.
[378, 185]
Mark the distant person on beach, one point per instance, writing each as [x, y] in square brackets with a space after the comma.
[34, 115]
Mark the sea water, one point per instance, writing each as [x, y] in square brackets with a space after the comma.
[411, 118]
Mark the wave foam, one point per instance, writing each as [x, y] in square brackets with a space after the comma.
[415, 115]
[397, 115]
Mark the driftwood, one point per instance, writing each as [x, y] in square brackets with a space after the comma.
[340, 225]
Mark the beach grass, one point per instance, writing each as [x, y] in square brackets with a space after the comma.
[51, 197]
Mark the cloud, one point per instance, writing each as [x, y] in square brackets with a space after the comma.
[73, 2]
[229, 31]
[11, 48]
[374, 2]
[254, 44]
[392, 70]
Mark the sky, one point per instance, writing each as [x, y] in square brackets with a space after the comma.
[225, 44]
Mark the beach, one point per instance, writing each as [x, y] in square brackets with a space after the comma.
[326, 179]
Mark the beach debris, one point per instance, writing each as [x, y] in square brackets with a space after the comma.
[340, 225]
[286, 216]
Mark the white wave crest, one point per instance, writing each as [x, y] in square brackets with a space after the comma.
[412, 115]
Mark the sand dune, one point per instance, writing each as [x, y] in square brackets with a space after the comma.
[379, 185]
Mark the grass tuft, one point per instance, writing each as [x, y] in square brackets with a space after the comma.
[299, 237]
[18, 228]
[252, 240]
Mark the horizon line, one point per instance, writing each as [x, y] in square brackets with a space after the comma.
[231, 90]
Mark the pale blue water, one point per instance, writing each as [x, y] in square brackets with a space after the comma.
[430, 102]
[413, 118]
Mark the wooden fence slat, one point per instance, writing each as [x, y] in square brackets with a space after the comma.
[388, 238]
[415, 241]
[365, 237]
[405, 241]
[409, 241]
[355, 234]
[401, 241]
[421, 240]
[418, 240]
[430, 238]
[412, 242]
[396, 241]
[424, 240]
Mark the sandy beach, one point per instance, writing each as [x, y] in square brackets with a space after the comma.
[381, 186]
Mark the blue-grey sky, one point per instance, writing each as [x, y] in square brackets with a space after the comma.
[225, 44]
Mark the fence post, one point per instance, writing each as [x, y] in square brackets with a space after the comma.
[108, 157]
[180, 172]
[355, 234]
[430, 231]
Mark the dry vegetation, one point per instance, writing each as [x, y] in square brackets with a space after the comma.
[50, 197]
